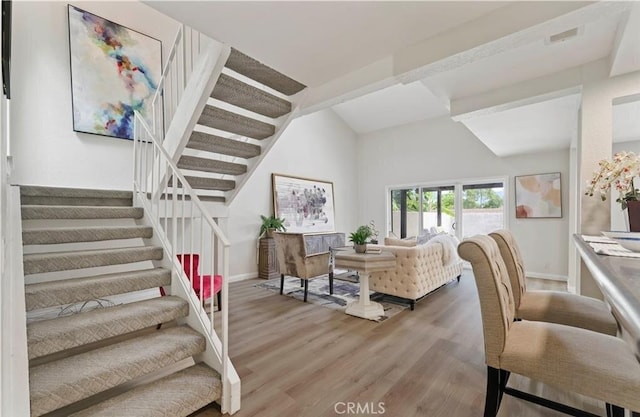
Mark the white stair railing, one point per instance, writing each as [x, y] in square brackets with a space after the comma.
[181, 222]
[184, 226]
[185, 50]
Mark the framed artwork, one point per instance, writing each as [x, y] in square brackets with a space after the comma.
[114, 71]
[538, 196]
[306, 205]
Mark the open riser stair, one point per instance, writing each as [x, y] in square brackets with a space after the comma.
[249, 106]
[102, 341]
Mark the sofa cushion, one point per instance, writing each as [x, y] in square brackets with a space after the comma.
[390, 241]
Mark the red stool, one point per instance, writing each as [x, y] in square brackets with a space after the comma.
[190, 264]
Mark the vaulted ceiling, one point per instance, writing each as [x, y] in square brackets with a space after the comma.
[382, 64]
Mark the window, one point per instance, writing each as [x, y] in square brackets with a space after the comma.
[482, 208]
[478, 207]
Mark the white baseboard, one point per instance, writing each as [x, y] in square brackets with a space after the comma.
[571, 289]
[530, 274]
[243, 277]
[552, 277]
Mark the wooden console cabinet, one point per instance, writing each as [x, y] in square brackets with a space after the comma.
[267, 259]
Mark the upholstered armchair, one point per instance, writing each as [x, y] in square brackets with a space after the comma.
[295, 260]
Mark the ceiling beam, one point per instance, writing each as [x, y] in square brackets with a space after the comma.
[625, 56]
[520, 24]
[373, 77]
[540, 89]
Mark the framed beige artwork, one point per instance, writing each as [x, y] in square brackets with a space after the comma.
[538, 196]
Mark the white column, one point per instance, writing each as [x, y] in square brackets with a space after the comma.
[594, 144]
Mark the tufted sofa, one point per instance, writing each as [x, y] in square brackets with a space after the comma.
[419, 269]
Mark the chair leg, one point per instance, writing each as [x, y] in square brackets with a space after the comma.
[306, 289]
[281, 283]
[491, 402]
[458, 278]
[219, 296]
[331, 283]
[614, 411]
[504, 378]
[301, 282]
[412, 304]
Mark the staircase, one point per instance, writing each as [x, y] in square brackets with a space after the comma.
[249, 107]
[85, 249]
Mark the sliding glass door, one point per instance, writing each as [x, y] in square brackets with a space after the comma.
[439, 209]
[482, 208]
[462, 209]
[405, 212]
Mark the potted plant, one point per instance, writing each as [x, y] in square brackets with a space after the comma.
[360, 238]
[271, 224]
[619, 174]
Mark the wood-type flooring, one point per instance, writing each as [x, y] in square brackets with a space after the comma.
[303, 360]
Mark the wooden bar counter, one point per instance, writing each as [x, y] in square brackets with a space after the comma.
[619, 281]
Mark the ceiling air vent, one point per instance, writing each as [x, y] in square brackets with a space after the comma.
[563, 36]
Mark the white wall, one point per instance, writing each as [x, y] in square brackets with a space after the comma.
[617, 215]
[46, 149]
[318, 146]
[444, 150]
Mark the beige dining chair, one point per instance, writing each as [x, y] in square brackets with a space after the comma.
[550, 306]
[567, 358]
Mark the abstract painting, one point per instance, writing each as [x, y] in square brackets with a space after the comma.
[306, 205]
[538, 196]
[114, 72]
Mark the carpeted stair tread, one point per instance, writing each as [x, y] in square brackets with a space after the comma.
[227, 121]
[62, 261]
[217, 144]
[234, 91]
[58, 196]
[176, 395]
[254, 69]
[80, 212]
[50, 336]
[202, 183]
[68, 291]
[213, 198]
[83, 234]
[59, 383]
[195, 163]
[38, 191]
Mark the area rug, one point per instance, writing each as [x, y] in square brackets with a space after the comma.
[345, 290]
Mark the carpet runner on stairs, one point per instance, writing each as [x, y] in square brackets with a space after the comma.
[80, 361]
[247, 108]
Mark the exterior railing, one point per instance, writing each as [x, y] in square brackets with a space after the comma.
[184, 227]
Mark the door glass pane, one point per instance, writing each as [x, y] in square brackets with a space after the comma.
[482, 208]
[405, 211]
[438, 205]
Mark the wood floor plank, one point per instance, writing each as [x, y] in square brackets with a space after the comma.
[296, 359]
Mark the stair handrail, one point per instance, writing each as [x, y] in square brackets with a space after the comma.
[150, 158]
[179, 65]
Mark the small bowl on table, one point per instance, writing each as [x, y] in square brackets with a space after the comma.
[628, 240]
